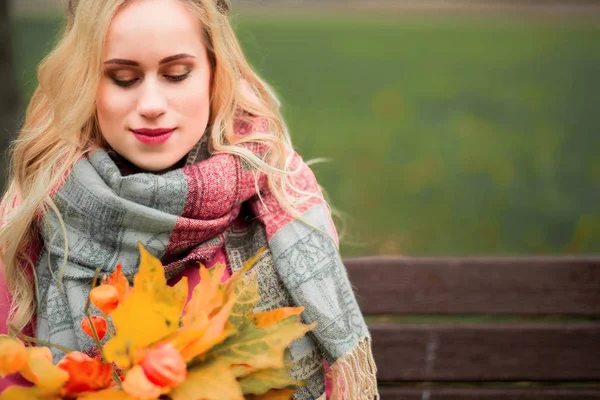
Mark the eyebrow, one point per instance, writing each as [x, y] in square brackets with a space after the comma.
[165, 60]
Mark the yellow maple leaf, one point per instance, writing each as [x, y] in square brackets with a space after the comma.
[39, 370]
[212, 305]
[251, 261]
[211, 293]
[261, 381]
[264, 319]
[275, 394]
[150, 313]
[251, 358]
[261, 347]
[245, 288]
[209, 381]
[21, 393]
[13, 356]
[208, 295]
[47, 377]
[242, 274]
[106, 394]
[205, 322]
[247, 297]
[195, 340]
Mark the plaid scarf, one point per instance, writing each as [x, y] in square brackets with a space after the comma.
[186, 216]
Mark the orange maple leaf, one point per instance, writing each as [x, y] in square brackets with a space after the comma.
[119, 281]
[264, 319]
[205, 322]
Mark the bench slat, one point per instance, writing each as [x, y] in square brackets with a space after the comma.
[487, 352]
[519, 286]
[400, 393]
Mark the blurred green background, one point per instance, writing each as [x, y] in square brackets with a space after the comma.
[445, 134]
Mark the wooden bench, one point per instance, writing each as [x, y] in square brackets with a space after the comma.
[482, 328]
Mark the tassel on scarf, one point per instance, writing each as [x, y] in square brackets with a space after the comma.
[347, 384]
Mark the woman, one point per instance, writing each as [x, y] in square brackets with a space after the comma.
[149, 125]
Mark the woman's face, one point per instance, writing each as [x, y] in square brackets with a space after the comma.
[153, 99]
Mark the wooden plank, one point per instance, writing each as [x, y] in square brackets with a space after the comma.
[401, 393]
[520, 286]
[487, 352]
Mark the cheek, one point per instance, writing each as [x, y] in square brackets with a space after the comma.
[194, 104]
[112, 106]
[193, 101]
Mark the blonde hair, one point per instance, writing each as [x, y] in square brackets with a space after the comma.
[60, 127]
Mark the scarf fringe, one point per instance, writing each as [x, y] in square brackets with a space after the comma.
[354, 375]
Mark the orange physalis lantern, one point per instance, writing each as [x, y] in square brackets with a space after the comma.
[105, 298]
[99, 324]
[85, 373]
[164, 366]
[136, 384]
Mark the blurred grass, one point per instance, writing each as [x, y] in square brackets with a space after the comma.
[447, 135]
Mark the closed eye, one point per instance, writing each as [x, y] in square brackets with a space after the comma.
[124, 83]
[177, 78]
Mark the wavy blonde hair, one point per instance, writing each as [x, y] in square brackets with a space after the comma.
[60, 127]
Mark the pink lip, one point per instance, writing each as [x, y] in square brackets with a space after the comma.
[153, 136]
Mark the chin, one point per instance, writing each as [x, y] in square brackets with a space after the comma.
[155, 166]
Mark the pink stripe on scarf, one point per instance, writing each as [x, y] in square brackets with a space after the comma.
[274, 216]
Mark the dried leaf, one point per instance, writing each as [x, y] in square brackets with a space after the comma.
[150, 313]
[119, 281]
[13, 355]
[275, 394]
[33, 353]
[21, 393]
[246, 288]
[261, 347]
[207, 296]
[264, 319]
[151, 279]
[205, 322]
[209, 381]
[106, 394]
[85, 373]
[263, 380]
[193, 341]
[250, 263]
[40, 371]
[248, 297]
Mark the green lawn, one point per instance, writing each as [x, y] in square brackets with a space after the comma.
[447, 136]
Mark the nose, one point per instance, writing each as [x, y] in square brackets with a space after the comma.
[152, 102]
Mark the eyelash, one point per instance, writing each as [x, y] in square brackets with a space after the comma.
[177, 78]
[172, 78]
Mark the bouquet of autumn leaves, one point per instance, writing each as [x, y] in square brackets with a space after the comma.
[213, 348]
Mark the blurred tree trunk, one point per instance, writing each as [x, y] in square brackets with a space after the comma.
[9, 96]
